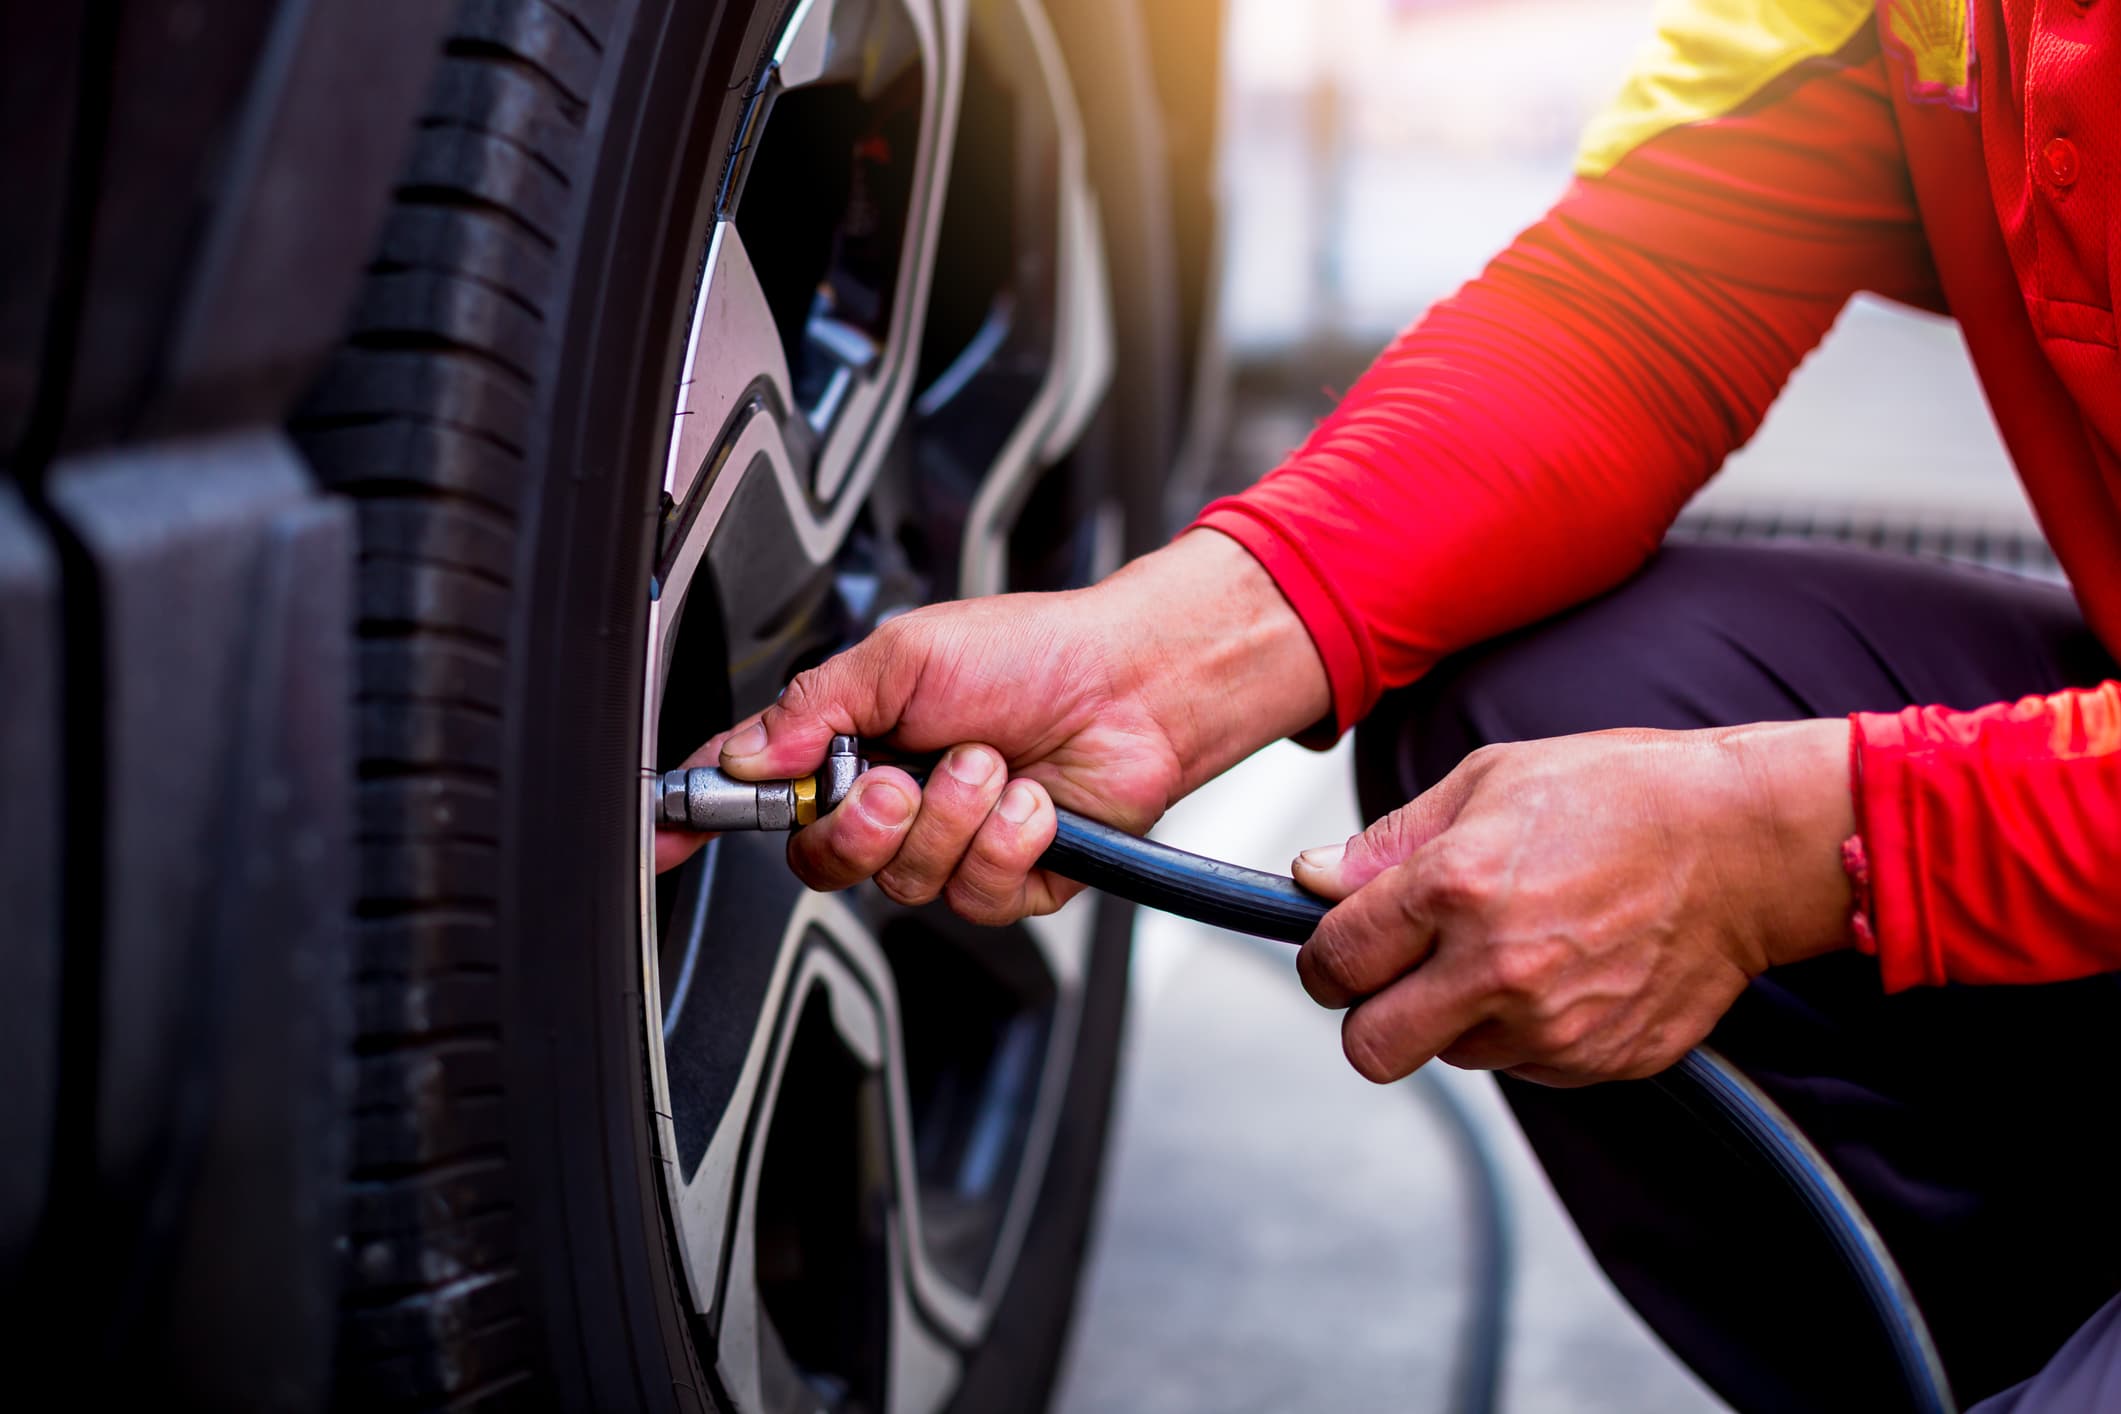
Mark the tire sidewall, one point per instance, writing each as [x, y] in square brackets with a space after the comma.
[603, 1286]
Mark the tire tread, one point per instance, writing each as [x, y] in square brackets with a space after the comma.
[420, 420]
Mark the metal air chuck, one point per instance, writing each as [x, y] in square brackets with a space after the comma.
[706, 799]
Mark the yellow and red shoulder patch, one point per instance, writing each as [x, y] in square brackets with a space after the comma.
[1709, 58]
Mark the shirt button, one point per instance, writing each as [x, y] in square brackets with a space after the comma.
[2060, 155]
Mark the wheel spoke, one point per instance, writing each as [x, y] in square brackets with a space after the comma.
[737, 449]
[933, 31]
[986, 1021]
[924, 1370]
[848, 304]
[814, 46]
[733, 355]
[715, 1056]
[1039, 343]
[880, 81]
[817, 1197]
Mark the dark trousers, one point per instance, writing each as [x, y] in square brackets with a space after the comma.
[1977, 1126]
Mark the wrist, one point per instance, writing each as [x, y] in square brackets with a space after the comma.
[1805, 812]
[1221, 659]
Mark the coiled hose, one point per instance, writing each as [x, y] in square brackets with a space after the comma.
[1273, 906]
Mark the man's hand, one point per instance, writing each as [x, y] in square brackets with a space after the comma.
[1584, 908]
[1112, 701]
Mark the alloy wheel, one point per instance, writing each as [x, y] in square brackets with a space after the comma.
[900, 329]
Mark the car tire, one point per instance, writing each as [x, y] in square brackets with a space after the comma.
[523, 1214]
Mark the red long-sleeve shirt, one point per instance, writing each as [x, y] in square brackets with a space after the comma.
[1528, 443]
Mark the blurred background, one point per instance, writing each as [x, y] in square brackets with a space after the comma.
[1377, 152]
[1277, 1233]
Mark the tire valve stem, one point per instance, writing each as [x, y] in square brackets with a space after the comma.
[705, 799]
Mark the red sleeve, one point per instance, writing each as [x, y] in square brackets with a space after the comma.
[1527, 444]
[1522, 449]
[1990, 837]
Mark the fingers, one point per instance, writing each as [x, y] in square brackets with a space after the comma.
[860, 692]
[974, 837]
[1337, 871]
[674, 847]
[861, 837]
[1409, 1023]
[1374, 936]
[998, 880]
[1377, 953]
[960, 793]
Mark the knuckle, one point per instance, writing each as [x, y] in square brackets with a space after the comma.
[800, 696]
[1320, 988]
[1383, 842]
[1517, 971]
[1001, 849]
[1410, 912]
[975, 904]
[1457, 877]
[1470, 1052]
[1544, 1042]
[858, 847]
[1333, 960]
[905, 888]
[1385, 838]
[852, 846]
[894, 635]
[982, 865]
[1653, 1051]
[1567, 1033]
[895, 644]
[817, 868]
[1485, 757]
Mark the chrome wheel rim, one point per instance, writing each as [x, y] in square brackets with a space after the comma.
[854, 1102]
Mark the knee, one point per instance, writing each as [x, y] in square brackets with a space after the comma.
[1646, 655]
[1417, 734]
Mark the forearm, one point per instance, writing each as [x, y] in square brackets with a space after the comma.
[1525, 446]
[1522, 449]
[1218, 655]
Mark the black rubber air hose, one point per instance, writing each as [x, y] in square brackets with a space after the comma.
[1274, 906]
[1189, 885]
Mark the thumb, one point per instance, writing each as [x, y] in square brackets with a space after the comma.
[1336, 871]
[861, 692]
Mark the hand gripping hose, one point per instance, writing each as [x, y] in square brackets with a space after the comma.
[1274, 906]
